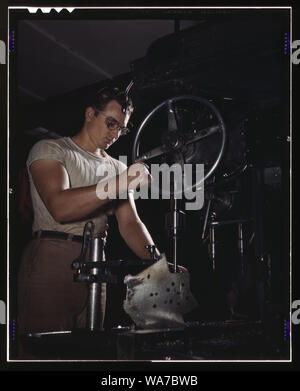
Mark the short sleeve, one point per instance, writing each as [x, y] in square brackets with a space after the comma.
[46, 149]
[120, 166]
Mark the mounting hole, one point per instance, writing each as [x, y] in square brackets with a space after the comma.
[148, 276]
[154, 305]
[168, 289]
[151, 294]
[173, 283]
[156, 294]
[171, 301]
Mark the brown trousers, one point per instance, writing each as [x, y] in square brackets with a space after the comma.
[48, 298]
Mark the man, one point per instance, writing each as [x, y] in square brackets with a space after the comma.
[65, 188]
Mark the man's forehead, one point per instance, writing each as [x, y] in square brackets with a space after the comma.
[114, 109]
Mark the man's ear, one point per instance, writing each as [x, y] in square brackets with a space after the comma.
[89, 113]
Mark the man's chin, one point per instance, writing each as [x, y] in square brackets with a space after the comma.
[105, 146]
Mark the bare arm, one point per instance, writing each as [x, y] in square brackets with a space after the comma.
[64, 204]
[132, 229]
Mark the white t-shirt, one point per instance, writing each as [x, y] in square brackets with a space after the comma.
[82, 168]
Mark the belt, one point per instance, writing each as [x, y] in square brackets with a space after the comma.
[57, 235]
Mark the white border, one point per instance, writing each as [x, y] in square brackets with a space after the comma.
[291, 139]
[7, 203]
[158, 8]
[8, 184]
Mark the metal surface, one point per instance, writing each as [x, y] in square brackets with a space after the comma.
[199, 340]
[93, 320]
[175, 225]
[157, 298]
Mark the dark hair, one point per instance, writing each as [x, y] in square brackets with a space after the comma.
[105, 95]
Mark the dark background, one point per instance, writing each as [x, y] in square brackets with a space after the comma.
[236, 54]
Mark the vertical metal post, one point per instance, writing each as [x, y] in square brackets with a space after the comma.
[206, 218]
[212, 246]
[175, 218]
[94, 291]
[241, 247]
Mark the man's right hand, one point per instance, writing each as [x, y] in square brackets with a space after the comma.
[138, 175]
[133, 178]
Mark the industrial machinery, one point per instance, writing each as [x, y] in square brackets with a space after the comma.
[216, 101]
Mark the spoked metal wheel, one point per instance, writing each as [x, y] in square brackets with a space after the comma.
[182, 129]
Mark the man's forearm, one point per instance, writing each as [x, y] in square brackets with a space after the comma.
[77, 203]
[74, 204]
[137, 237]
